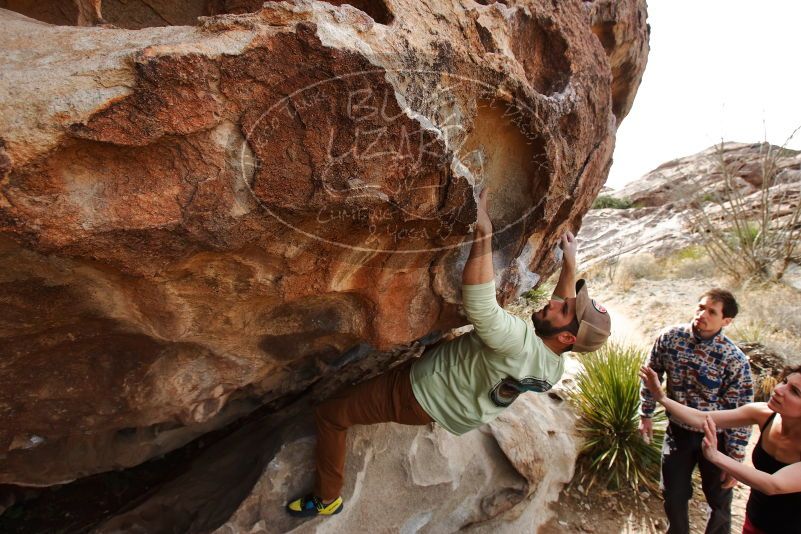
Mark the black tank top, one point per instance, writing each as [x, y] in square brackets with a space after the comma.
[772, 513]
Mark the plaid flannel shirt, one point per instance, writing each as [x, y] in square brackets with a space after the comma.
[706, 374]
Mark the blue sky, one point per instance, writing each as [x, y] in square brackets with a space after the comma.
[717, 69]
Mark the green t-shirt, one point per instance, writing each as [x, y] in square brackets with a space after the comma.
[469, 380]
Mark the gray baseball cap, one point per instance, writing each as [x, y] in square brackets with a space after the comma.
[595, 325]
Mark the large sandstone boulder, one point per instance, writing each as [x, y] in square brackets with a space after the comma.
[202, 215]
[399, 478]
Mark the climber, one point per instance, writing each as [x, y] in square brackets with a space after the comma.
[467, 381]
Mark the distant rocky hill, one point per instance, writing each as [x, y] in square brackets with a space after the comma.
[657, 222]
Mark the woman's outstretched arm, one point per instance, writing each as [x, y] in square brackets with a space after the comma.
[748, 414]
[785, 480]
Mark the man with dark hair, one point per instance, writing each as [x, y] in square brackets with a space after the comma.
[726, 300]
[467, 381]
[706, 371]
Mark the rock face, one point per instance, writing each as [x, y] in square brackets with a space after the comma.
[201, 215]
[496, 479]
[659, 222]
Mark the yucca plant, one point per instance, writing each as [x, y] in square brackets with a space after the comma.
[607, 396]
[752, 331]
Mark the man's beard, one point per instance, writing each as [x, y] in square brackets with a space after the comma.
[544, 328]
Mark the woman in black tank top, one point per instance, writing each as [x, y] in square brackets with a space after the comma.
[772, 513]
[775, 502]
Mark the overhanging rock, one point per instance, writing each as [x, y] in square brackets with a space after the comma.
[200, 215]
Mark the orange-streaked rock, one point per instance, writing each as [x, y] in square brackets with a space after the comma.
[198, 219]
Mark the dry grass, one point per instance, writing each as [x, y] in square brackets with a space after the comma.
[688, 263]
[625, 271]
[640, 267]
[749, 331]
[770, 316]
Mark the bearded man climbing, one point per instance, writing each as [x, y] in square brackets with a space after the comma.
[468, 381]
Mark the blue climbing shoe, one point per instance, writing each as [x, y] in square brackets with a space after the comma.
[312, 505]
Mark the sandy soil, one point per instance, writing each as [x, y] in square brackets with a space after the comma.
[615, 513]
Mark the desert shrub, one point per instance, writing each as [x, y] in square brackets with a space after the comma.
[607, 397]
[623, 280]
[630, 269]
[748, 331]
[746, 235]
[608, 201]
[643, 266]
[766, 367]
[777, 307]
[708, 197]
[763, 387]
[770, 317]
[750, 237]
[603, 271]
[691, 253]
[700, 268]
[695, 269]
[538, 296]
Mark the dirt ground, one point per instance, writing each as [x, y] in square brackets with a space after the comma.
[605, 512]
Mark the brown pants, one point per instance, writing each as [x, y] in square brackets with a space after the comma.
[387, 397]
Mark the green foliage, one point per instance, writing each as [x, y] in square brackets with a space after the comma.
[538, 296]
[691, 253]
[607, 397]
[746, 235]
[608, 201]
[689, 262]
